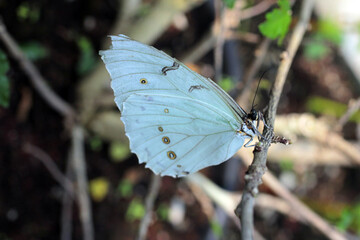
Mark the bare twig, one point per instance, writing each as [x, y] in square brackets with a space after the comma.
[219, 24]
[257, 169]
[298, 208]
[51, 167]
[35, 77]
[353, 107]
[149, 205]
[232, 18]
[67, 204]
[79, 164]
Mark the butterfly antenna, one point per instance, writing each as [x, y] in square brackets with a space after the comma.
[257, 88]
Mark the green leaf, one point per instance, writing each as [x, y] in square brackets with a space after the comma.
[118, 151]
[277, 22]
[25, 11]
[229, 3]
[216, 228]
[163, 211]
[4, 81]
[34, 50]
[330, 31]
[96, 143]
[328, 107]
[316, 49]
[135, 211]
[125, 188]
[87, 58]
[286, 165]
[226, 84]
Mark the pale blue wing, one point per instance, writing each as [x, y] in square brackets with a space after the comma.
[177, 121]
[129, 61]
[176, 136]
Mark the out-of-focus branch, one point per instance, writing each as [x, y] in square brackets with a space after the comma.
[296, 205]
[353, 107]
[79, 163]
[36, 79]
[149, 205]
[245, 209]
[51, 167]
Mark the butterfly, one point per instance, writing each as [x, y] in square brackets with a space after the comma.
[177, 121]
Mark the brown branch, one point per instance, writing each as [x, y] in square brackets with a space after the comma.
[35, 77]
[245, 210]
[354, 105]
[298, 208]
[149, 205]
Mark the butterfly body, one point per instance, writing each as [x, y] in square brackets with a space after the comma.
[177, 121]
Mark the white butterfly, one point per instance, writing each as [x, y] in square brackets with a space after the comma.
[177, 121]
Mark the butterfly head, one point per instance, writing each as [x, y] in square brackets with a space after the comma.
[253, 114]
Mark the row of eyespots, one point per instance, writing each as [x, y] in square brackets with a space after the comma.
[166, 140]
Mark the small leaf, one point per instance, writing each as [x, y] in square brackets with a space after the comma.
[99, 188]
[316, 49]
[125, 188]
[286, 165]
[163, 211]
[96, 143]
[330, 31]
[226, 84]
[4, 81]
[216, 228]
[135, 211]
[87, 58]
[34, 50]
[329, 107]
[229, 3]
[277, 22]
[119, 151]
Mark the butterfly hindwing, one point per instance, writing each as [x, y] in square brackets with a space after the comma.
[175, 135]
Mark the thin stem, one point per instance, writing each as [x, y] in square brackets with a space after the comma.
[79, 163]
[35, 77]
[149, 205]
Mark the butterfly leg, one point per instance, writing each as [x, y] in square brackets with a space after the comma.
[250, 140]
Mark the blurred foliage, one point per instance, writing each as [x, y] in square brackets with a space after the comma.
[163, 211]
[95, 143]
[125, 188]
[216, 228]
[119, 151]
[315, 48]
[226, 83]
[328, 107]
[350, 219]
[27, 12]
[99, 188]
[4, 81]
[34, 50]
[286, 165]
[135, 211]
[229, 3]
[87, 59]
[330, 31]
[277, 22]
[318, 45]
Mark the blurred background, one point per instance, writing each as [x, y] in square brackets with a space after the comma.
[66, 171]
